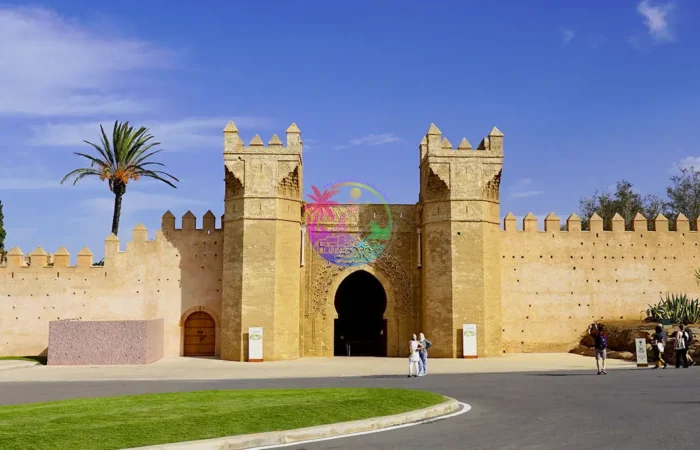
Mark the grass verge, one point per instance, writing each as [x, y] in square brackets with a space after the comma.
[39, 359]
[140, 420]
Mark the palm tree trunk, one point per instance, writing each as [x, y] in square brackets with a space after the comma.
[119, 190]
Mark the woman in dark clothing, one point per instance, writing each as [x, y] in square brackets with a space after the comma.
[658, 344]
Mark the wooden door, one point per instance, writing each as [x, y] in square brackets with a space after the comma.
[200, 334]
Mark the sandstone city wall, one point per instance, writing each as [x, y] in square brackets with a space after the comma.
[167, 278]
[556, 283]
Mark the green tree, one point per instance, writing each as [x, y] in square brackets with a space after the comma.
[3, 234]
[125, 159]
[624, 201]
[684, 195]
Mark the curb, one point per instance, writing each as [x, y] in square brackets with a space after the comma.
[9, 364]
[311, 433]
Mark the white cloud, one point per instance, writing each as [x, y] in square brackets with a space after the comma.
[135, 201]
[656, 20]
[27, 184]
[376, 139]
[567, 35]
[525, 194]
[522, 188]
[689, 162]
[50, 65]
[175, 135]
[371, 140]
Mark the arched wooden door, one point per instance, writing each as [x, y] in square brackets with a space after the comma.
[200, 334]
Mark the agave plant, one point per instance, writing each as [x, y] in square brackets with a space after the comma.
[679, 308]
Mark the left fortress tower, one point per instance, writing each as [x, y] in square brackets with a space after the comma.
[262, 244]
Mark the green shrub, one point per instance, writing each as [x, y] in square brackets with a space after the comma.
[679, 308]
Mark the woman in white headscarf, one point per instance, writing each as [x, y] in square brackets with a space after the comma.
[413, 356]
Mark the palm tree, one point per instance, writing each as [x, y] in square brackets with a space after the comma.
[125, 159]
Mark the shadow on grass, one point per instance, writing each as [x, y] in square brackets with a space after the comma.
[40, 359]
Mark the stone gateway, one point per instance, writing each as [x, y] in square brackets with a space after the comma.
[448, 263]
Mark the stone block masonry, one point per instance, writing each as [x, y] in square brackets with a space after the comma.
[449, 262]
[116, 342]
[170, 277]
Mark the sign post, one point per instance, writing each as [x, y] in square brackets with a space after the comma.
[255, 344]
[469, 341]
[641, 345]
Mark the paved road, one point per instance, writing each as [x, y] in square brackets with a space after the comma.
[627, 409]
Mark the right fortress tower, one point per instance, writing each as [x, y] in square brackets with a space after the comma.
[460, 228]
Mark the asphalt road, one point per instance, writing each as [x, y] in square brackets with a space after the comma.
[627, 409]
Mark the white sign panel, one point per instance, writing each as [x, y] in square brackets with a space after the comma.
[469, 340]
[641, 345]
[255, 344]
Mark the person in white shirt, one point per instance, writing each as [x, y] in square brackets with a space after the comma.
[680, 345]
[413, 356]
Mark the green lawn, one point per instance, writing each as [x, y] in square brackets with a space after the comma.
[139, 420]
[38, 359]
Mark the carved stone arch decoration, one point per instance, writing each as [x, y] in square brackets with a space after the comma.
[493, 183]
[400, 282]
[386, 268]
[235, 178]
[438, 179]
[320, 288]
[288, 185]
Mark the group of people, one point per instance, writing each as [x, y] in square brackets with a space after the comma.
[682, 339]
[418, 356]
[681, 343]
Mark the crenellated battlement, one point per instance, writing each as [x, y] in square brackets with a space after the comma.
[552, 223]
[233, 144]
[434, 144]
[189, 223]
[38, 258]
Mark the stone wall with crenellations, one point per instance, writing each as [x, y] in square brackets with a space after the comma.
[448, 263]
[150, 279]
[555, 283]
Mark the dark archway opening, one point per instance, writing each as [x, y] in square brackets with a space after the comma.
[360, 329]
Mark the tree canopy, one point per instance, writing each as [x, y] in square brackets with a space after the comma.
[625, 201]
[682, 196]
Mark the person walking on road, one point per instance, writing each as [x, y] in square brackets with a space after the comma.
[601, 345]
[423, 354]
[688, 343]
[413, 357]
[681, 347]
[658, 345]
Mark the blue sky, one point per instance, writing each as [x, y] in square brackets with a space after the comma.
[586, 93]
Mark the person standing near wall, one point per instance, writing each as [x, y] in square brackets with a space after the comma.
[681, 347]
[658, 344]
[601, 345]
[413, 357]
[423, 353]
[688, 343]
